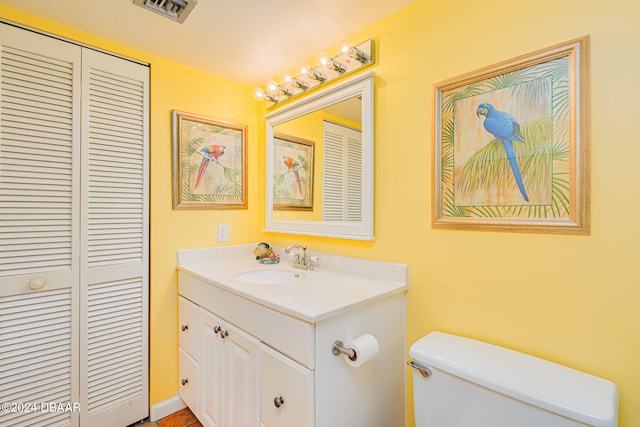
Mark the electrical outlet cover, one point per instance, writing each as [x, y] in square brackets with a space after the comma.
[223, 232]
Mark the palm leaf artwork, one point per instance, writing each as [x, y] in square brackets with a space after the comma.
[187, 149]
[286, 193]
[466, 92]
[447, 154]
[282, 194]
[543, 156]
[231, 190]
[194, 140]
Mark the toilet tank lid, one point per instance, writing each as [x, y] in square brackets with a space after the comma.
[546, 385]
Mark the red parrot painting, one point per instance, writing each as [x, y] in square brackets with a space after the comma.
[208, 153]
[293, 166]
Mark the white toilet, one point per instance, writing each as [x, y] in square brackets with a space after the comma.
[460, 382]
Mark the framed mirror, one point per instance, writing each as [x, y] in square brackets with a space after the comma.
[319, 171]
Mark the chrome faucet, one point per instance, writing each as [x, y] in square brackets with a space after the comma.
[302, 260]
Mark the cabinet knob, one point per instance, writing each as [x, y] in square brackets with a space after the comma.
[278, 401]
[216, 329]
[36, 283]
[184, 327]
[185, 381]
[224, 334]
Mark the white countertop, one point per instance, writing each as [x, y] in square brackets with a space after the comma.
[317, 295]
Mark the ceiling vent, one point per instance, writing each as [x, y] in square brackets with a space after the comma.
[176, 10]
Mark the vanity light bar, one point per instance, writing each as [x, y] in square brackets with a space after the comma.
[348, 60]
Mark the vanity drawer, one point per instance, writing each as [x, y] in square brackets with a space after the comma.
[291, 336]
[286, 391]
[187, 327]
[188, 380]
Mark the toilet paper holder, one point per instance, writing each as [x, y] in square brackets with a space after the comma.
[338, 348]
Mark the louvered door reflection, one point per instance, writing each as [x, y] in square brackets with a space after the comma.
[39, 268]
[114, 368]
[342, 185]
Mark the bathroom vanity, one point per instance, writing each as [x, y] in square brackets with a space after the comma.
[255, 341]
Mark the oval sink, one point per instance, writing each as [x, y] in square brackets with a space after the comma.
[268, 276]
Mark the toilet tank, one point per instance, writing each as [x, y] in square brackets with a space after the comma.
[474, 384]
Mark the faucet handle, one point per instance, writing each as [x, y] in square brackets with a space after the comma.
[313, 262]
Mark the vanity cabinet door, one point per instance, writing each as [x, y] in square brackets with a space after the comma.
[286, 391]
[212, 372]
[241, 368]
[228, 374]
[188, 374]
[188, 327]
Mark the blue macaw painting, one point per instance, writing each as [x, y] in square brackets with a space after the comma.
[505, 145]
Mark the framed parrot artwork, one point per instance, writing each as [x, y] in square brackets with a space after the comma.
[511, 145]
[209, 163]
[293, 173]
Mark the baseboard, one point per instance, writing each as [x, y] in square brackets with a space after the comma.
[166, 407]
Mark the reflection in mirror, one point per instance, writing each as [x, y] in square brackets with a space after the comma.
[293, 177]
[320, 163]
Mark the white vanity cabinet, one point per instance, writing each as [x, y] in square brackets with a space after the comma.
[281, 371]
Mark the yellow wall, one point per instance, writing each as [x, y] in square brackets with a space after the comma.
[570, 299]
[172, 230]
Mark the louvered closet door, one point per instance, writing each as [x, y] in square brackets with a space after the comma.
[114, 272]
[39, 269]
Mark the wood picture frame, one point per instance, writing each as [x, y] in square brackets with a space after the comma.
[511, 145]
[209, 163]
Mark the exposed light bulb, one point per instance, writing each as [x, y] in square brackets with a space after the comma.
[287, 78]
[258, 94]
[344, 48]
[323, 59]
[272, 86]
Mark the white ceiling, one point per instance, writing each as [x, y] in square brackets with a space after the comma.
[247, 41]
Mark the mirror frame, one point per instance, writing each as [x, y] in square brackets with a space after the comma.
[360, 85]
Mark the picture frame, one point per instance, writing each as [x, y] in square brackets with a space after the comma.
[511, 145]
[209, 163]
[293, 177]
